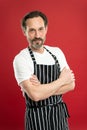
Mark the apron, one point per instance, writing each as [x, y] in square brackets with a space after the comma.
[50, 113]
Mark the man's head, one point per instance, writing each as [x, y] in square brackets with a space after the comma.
[34, 25]
[34, 14]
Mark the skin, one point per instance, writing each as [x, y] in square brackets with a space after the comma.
[36, 34]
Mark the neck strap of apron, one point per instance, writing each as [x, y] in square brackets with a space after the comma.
[33, 58]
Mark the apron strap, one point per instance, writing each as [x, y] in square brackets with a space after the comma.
[55, 58]
[33, 58]
[32, 55]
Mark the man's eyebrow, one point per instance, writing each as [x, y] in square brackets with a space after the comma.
[31, 28]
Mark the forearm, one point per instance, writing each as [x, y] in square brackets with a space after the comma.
[65, 88]
[37, 91]
[47, 90]
[42, 91]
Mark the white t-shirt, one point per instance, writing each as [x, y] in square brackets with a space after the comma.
[23, 64]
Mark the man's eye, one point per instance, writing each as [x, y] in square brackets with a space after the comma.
[41, 29]
[31, 30]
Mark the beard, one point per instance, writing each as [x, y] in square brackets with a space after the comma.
[36, 43]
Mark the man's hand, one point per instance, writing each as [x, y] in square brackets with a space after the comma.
[34, 80]
[37, 91]
[67, 76]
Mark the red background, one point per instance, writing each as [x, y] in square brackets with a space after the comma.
[67, 30]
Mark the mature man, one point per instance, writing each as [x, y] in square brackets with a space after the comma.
[44, 76]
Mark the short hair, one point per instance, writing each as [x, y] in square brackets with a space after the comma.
[32, 15]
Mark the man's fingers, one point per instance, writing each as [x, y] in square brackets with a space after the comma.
[34, 80]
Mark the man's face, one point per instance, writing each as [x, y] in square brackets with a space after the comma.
[35, 32]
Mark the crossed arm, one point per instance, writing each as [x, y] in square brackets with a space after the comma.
[37, 91]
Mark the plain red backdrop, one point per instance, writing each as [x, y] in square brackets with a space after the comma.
[67, 30]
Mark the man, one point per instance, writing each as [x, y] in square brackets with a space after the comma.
[44, 76]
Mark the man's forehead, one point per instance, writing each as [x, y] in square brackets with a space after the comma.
[36, 21]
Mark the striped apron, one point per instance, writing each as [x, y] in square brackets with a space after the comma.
[50, 113]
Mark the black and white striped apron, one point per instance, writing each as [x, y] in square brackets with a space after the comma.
[51, 113]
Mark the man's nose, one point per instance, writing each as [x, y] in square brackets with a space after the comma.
[37, 34]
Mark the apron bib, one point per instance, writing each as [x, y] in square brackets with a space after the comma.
[50, 113]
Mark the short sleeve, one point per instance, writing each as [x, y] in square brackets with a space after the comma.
[61, 58]
[22, 70]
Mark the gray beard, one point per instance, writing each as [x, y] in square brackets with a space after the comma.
[37, 45]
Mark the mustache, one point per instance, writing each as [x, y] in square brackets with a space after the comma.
[37, 39]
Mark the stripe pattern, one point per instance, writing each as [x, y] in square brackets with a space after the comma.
[51, 113]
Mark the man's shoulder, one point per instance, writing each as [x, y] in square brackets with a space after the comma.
[21, 54]
[53, 48]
